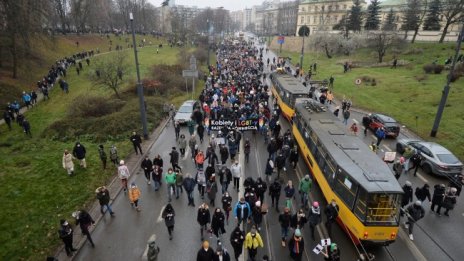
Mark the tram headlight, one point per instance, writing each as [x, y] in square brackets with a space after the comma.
[393, 235]
[366, 235]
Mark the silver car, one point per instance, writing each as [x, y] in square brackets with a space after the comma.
[185, 111]
[436, 159]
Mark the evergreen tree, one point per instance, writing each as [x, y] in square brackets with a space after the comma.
[373, 12]
[390, 21]
[432, 21]
[355, 17]
[411, 16]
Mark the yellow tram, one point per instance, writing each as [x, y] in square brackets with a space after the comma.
[287, 89]
[347, 171]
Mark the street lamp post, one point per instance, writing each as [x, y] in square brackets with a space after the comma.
[207, 22]
[446, 89]
[305, 33]
[139, 83]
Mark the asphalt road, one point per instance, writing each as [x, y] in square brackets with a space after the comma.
[124, 237]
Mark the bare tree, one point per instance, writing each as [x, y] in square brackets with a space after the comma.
[109, 73]
[453, 12]
[423, 11]
[383, 41]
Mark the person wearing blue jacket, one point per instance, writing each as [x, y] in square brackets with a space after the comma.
[242, 211]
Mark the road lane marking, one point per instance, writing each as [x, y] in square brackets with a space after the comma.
[160, 217]
[373, 137]
[266, 224]
[355, 121]
[422, 178]
[386, 147]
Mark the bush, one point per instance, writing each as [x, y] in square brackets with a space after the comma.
[169, 77]
[93, 106]
[433, 68]
[428, 68]
[115, 125]
[438, 68]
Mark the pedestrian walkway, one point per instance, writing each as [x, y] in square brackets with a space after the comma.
[133, 163]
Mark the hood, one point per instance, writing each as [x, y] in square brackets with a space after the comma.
[316, 210]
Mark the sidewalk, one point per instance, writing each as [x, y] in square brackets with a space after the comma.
[133, 163]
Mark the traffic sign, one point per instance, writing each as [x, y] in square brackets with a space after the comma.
[358, 81]
[281, 39]
[190, 73]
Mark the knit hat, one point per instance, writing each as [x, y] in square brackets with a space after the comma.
[121, 162]
[408, 183]
[297, 232]
[418, 203]
[258, 203]
[253, 231]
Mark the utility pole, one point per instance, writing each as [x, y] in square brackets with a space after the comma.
[139, 83]
[446, 89]
[305, 33]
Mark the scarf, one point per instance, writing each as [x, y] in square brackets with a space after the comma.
[296, 247]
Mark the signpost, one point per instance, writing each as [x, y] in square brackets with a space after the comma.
[241, 125]
[281, 40]
[193, 73]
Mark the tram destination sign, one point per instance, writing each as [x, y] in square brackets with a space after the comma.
[241, 125]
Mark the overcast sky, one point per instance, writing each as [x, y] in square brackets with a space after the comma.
[231, 5]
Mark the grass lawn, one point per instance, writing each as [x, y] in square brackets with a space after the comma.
[398, 92]
[36, 191]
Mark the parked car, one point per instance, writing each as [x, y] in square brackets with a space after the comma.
[392, 128]
[184, 113]
[436, 159]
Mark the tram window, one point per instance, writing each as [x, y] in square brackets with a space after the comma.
[360, 208]
[346, 188]
[383, 209]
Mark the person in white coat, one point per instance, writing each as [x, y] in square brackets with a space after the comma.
[68, 163]
[236, 170]
[123, 174]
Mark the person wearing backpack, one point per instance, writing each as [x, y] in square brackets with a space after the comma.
[423, 193]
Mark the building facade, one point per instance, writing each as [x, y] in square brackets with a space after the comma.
[322, 15]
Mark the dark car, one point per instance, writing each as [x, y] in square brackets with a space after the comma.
[392, 128]
[436, 159]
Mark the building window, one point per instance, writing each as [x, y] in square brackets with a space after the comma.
[344, 7]
[303, 9]
[314, 19]
[330, 8]
[316, 8]
[336, 7]
[302, 20]
[328, 19]
[335, 19]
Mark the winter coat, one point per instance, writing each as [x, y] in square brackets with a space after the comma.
[331, 212]
[280, 161]
[415, 212]
[296, 247]
[189, 184]
[293, 156]
[305, 185]
[113, 153]
[203, 216]
[207, 255]
[170, 178]
[192, 143]
[158, 162]
[123, 172]
[438, 194]
[134, 194]
[211, 189]
[314, 216]
[102, 154]
[200, 178]
[136, 139]
[253, 242]
[242, 210]
[423, 193]
[179, 179]
[66, 233]
[182, 143]
[217, 223]
[79, 151]
[261, 187]
[168, 215]
[210, 170]
[237, 237]
[224, 153]
[284, 219]
[146, 164]
[289, 191]
[103, 197]
[174, 156]
[84, 220]
[68, 161]
[449, 201]
[274, 189]
[236, 170]
[298, 220]
[269, 168]
[225, 176]
[407, 196]
[257, 215]
[225, 256]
